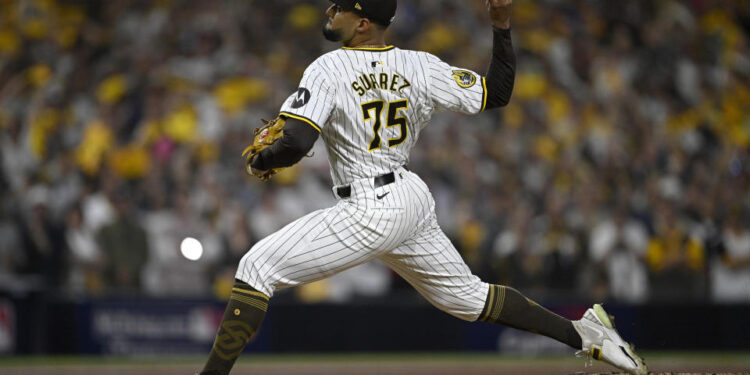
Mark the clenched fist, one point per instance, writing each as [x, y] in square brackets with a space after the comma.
[499, 12]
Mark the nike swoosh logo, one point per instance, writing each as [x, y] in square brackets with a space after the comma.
[629, 357]
[383, 196]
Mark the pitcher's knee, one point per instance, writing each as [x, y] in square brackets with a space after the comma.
[465, 302]
[249, 273]
[464, 314]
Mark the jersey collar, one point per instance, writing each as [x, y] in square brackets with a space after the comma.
[373, 49]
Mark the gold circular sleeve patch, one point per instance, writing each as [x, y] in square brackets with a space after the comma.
[464, 78]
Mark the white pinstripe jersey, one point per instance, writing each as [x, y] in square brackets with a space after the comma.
[370, 104]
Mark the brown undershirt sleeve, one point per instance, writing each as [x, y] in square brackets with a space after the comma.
[502, 71]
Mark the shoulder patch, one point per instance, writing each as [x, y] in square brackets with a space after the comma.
[301, 97]
[464, 78]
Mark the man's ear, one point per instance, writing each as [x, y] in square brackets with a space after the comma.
[364, 24]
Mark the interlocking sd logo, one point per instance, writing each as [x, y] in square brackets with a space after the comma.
[232, 339]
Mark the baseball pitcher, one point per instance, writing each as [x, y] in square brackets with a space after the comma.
[369, 101]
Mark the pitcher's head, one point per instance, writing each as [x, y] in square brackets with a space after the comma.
[348, 18]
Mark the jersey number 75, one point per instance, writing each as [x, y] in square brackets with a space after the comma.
[393, 120]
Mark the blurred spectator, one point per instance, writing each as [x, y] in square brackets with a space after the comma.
[43, 258]
[10, 241]
[86, 272]
[125, 247]
[508, 247]
[169, 271]
[562, 247]
[618, 246]
[730, 270]
[675, 259]
[17, 161]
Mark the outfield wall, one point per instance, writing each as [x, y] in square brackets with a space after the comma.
[34, 325]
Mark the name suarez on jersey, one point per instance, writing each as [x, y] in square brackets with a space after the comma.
[382, 81]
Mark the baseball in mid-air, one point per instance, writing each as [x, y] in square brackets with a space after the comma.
[191, 249]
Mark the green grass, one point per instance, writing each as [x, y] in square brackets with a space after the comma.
[709, 358]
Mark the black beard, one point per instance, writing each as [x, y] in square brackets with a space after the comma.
[332, 35]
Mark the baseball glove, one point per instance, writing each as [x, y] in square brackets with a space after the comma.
[265, 136]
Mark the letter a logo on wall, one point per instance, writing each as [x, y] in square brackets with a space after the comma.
[300, 98]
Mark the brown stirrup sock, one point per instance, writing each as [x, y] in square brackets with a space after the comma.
[509, 307]
[245, 311]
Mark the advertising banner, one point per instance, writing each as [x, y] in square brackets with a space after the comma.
[149, 327]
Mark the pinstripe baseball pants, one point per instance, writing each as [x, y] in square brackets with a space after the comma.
[394, 223]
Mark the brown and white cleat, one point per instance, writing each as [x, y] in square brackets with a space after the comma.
[602, 342]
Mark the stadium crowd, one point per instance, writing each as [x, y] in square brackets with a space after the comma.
[619, 170]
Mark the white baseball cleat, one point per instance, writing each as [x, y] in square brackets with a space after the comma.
[602, 342]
